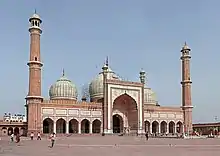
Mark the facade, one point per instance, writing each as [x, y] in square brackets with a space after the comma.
[207, 128]
[116, 106]
[13, 124]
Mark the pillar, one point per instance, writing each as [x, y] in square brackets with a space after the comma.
[54, 127]
[159, 128]
[167, 128]
[150, 128]
[79, 128]
[90, 128]
[67, 127]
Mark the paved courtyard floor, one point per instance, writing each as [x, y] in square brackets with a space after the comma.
[111, 145]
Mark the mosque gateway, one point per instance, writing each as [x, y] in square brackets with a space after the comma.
[116, 106]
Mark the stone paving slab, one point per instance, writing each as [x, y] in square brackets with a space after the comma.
[111, 145]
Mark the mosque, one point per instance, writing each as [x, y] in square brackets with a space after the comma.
[115, 105]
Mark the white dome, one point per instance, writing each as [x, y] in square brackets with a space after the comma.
[149, 96]
[63, 89]
[96, 86]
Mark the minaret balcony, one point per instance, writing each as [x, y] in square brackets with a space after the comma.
[35, 62]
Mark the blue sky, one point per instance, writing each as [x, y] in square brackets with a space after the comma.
[135, 34]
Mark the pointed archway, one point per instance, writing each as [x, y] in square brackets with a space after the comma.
[147, 126]
[96, 126]
[61, 126]
[73, 126]
[128, 107]
[155, 127]
[10, 130]
[85, 126]
[16, 131]
[47, 126]
[117, 124]
[163, 127]
[179, 127]
[171, 127]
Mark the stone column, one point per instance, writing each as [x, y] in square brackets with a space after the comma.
[150, 128]
[67, 127]
[167, 128]
[54, 127]
[159, 131]
[79, 128]
[90, 128]
[175, 128]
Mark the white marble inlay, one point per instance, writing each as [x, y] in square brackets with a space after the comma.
[47, 111]
[96, 113]
[73, 111]
[85, 113]
[171, 115]
[61, 112]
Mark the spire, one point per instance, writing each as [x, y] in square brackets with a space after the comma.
[106, 61]
[63, 72]
[35, 11]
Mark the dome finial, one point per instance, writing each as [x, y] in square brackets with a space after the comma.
[35, 11]
[106, 61]
[63, 74]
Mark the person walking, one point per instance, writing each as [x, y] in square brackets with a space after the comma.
[52, 137]
[38, 136]
[146, 135]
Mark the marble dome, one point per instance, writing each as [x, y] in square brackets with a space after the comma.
[149, 96]
[63, 89]
[96, 86]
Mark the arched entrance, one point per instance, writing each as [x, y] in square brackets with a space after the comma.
[48, 126]
[155, 127]
[117, 124]
[4, 131]
[96, 126]
[10, 130]
[73, 126]
[85, 125]
[163, 127]
[147, 126]
[16, 130]
[171, 127]
[61, 126]
[179, 127]
[128, 107]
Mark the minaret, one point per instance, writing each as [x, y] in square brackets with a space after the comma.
[143, 81]
[34, 97]
[186, 88]
[142, 76]
[105, 103]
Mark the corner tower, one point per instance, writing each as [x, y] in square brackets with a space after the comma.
[186, 88]
[34, 97]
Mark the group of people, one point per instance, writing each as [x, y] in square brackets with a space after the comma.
[52, 138]
[17, 137]
[38, 136]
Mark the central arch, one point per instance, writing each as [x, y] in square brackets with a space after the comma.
[128, 107]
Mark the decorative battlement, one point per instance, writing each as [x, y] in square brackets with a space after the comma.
[125, 83]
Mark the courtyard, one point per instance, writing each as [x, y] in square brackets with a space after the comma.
[111, 145]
